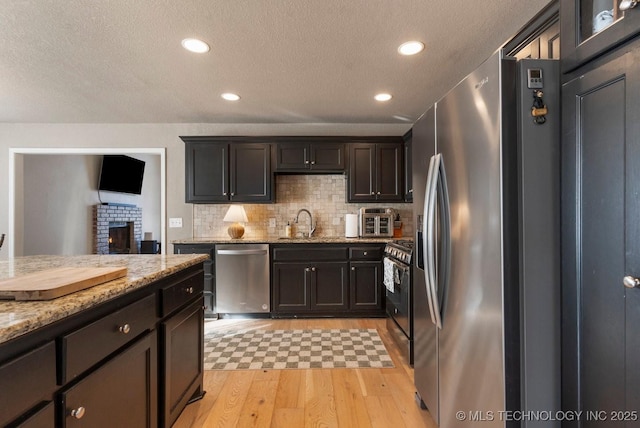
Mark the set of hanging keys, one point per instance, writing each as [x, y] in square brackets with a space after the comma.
[539, 109]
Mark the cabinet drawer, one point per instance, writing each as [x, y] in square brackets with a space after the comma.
[27, 381]
[87, 346]
[296, 253]
[177, 294]
[365, 253]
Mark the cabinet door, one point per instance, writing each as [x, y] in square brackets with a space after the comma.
[329, 286]
[408, 179]
[292, 156]
[120, 393]
[601, 239]
[327, 157]
[209, 273]
[389, 172]
[291, 283]
[206, 172]
[365, 286]
[590, 27]
[182, 339]
[250, 169]
[361, 176]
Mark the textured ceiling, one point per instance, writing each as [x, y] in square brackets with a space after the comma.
[292, 61]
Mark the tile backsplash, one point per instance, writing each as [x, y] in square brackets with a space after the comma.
[323, 195]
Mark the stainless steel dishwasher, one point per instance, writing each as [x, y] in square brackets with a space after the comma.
[242, 279]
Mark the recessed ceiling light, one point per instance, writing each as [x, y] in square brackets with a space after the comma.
[383, 97]
[411, 48]
[195, 45]
[230, 97]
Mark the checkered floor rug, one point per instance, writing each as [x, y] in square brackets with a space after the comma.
[294, 349]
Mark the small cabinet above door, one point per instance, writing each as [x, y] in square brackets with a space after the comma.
[305, 156]
[591, 27]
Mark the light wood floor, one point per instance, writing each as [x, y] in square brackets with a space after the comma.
[309, 397]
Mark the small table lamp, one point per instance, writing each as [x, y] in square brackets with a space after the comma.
[235, 215]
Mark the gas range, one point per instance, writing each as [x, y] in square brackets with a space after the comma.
[401, 250]
[399, 292]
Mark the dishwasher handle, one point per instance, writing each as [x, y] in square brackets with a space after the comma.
[240, 252]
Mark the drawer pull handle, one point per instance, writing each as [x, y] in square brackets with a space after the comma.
[364, 253]
[189, 290]
[124, 329]
[78, 413]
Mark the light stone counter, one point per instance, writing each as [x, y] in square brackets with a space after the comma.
[17, 318]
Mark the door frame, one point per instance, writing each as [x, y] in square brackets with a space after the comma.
[14, 152]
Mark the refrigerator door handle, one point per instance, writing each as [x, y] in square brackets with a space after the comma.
[431, 240]
[425, 237]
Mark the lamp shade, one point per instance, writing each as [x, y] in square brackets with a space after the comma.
[236, 214]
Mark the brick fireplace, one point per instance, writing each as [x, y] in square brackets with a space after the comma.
[117, 229]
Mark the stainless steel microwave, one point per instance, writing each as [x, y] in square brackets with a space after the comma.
[375, 222]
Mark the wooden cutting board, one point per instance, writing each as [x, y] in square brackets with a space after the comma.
[56, 282]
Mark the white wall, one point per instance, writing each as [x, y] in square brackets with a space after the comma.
[151, 136]
[58, 217]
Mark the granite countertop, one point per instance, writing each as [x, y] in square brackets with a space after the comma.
[313, 240]
[17, 318]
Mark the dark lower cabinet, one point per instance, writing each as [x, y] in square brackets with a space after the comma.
[327, 280]
[209, 273]
[310, 286]
[182, 339]
[133, 361]
[31, 378]
[122, 392]
[329, 286]
[365, 292]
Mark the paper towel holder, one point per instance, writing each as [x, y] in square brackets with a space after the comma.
[351, 226]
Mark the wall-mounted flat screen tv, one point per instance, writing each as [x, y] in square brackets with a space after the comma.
[120, 173]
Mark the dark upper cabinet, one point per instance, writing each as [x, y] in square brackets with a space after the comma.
[376, 171]
[219, 170]
[591, 27]
[307, 157]
[250, 172]
[408, 179]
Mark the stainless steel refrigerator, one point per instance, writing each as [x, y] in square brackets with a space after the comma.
[486, 272]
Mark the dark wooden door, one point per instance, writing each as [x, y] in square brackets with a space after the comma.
[291, 283]
[327, 157]
[389, 172]
[182, 370]
[601, 242]
[329, 286]
[209, 272]
[365, 286]
[250, 168]
[361, 178]
[292, 156]
[121, 393]
[206, 172]
[408, 179]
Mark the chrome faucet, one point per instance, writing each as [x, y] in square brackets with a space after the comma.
[312, 227]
